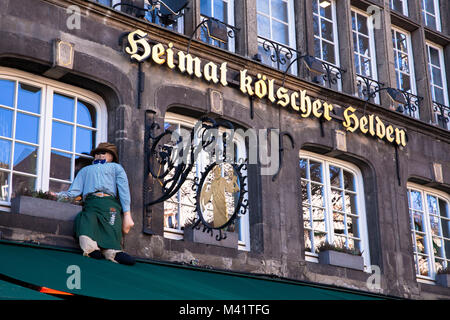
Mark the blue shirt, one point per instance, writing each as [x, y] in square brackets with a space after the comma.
[109, 178]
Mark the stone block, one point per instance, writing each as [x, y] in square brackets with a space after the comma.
[200, 236]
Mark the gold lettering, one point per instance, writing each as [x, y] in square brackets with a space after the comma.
[363, 124]
[261, 87]
[186, 63]
[351, 121]
[381, 129]
[294, 97]
[317, 105]
[400, 137]
[158, 51]
[371, 126]
[246, 83]
[210, 72]
[170, 53]
[223, 74]
[133, 45]
[327, 108]
[389, 132]
[305, 104]
[283, 97]
[271, 90]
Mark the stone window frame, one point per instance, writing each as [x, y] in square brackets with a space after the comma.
[427, 191]
[231, 45]
[177, 234]
[360, 202]
[436, 15]
[44, 144]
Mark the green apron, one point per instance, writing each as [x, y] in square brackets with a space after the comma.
[101, 221]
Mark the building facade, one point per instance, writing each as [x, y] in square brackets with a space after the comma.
[360, 90]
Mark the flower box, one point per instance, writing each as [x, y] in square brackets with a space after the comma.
[44, 208]
[341, 259]
[201, 236]
[443, 280]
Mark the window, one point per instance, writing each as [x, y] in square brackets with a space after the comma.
[179, 210]
[400, 6]
[333, 205]
[430, 229]
[47, 130]
[404, 64]
[364, 52]
[222, 10]
[438, 83]
[430, 14]
[152, 16]
[325, 35]
[275, 21]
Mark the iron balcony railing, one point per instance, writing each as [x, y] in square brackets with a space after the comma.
[368, 88]
[282, 56]
[442, 113]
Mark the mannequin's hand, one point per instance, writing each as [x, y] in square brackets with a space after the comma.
[127, 223]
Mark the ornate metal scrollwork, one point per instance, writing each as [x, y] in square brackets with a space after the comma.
[171, 163]
[370, 87]
[443, 114]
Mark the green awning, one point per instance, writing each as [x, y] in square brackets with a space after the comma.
[10, 291]
[54, 268]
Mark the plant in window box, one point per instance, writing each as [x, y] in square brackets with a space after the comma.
[341, 256]
[45, 205]
[443, 277]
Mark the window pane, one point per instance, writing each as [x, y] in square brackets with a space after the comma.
[80, 163]
[337, 200]
[85, 140]
[279, 10]
[362, 24]
[205, 7]
[4, 185]
[317, 196]
[350, 204]
[221, 10]
[170, 214]
[29, 98]
[25, 157]
[315, 171]
[6, 119]
[349, 181]
[418, 222]
[436, 76]
[316, 25]
[318, 216]
[328, 52]
[86, 114]
[57, 186]
[22, 184]
[280, 32]
[305, 186]
[263, 6]
[352, 226]
[327, 30]
[325, 9]
[338, 223]
[335, 177]
[423, 265]
[7, 93]
[434, 56]
[5, 154]
[62, 136]
[303, 168]
[27, 128]
[60, 165]
[429, 6]
[306, 217]
[63, 107]
[263, 26]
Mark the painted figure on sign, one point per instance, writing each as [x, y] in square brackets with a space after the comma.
[215, 192]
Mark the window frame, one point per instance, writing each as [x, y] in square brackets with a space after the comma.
[428, 45]
[291, 33]
[373, 55]
[48, 87]
[360, 202]
[230, 21]
[405, 10]
[425, 191]
[437, 14]
[410, 54]
[178, 234]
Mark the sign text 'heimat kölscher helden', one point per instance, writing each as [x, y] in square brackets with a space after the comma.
[140, 49]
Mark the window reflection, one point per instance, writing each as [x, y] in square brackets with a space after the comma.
[27, 128]
[63, 107]
[86, 114]
[62, 136]
[6, 120]
[7, 93]
[29, 98]
[25, 157]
